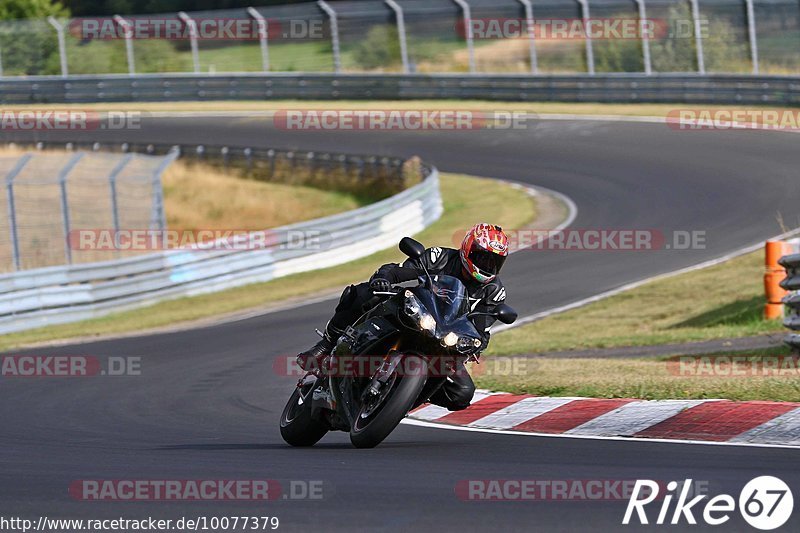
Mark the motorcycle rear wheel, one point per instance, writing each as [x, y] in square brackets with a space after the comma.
[298, 428]
[370, 430]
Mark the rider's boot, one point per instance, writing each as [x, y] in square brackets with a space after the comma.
[314, 357]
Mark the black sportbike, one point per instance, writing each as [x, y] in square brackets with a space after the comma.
[390, 361]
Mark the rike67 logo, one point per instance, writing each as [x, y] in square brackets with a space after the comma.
[765, 503]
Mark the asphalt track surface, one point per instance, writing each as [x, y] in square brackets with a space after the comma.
[207, 403]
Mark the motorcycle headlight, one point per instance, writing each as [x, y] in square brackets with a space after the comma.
[462, 344]
[414, 310]
[427, 322]
[450, 340]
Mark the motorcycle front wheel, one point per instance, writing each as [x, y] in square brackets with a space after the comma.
[298, 428]
[380, 414]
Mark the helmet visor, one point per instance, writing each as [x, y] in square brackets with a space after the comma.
[488, 263]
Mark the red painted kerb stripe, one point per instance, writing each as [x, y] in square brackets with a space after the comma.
[716, 421]
[570, 415]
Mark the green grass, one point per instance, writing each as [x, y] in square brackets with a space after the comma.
[466, 201]
[717, 302]
[650, 379]
[303, 57]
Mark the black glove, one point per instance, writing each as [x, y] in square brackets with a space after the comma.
[380, 285]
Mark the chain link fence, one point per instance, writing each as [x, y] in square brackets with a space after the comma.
[494, 36]
[48, 195]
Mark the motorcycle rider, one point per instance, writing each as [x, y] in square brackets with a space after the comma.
[477, 263]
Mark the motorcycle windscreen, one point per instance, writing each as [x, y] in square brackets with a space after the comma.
[448, 299]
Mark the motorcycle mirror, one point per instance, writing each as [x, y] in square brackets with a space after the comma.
[411, 248]
[505, 314]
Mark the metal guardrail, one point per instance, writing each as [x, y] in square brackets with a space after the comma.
[792, 283]
[55, 295]
[663, 88]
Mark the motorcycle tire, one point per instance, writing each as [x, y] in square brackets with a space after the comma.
[298, 428]
[399, 401]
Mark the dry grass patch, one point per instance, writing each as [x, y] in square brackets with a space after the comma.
[650, 110]
[198, 196]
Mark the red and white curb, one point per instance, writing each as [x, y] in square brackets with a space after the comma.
[711, 421]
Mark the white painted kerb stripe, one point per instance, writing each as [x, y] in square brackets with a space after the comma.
[520, 412]
[633, 417]
[784, 429]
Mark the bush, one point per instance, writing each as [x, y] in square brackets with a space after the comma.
[676, 52]
[380, 48]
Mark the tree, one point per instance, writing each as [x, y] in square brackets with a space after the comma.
[29, 46]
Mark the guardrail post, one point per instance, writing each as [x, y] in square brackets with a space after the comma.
[12, 210]
[263, 36]
[751, 31]
[158, 219]
[337, 59]
[531, 35]
[648, 66]
[248, 157]
[225, 153]
[465, 9]
[401, 32]
[589, 45]
[698, 37]
[62, 45]
[127, 33]
[62, 183]
[112, 184]
[192, 25]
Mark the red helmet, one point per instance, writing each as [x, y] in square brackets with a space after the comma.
[483, 251]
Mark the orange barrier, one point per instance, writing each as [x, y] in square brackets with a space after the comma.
[774, 274]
